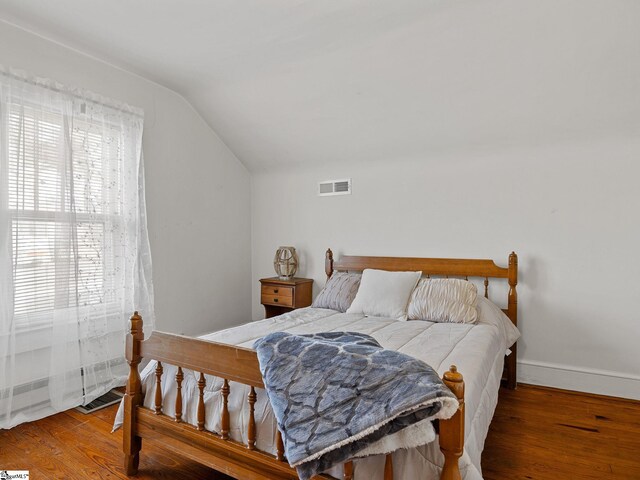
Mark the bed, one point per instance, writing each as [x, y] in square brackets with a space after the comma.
[203, 397]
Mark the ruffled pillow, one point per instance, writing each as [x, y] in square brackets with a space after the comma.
[444, 300]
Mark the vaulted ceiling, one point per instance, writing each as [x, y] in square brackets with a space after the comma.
[291, 82]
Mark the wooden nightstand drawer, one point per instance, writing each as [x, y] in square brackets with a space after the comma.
[277, 300]
[277, 290]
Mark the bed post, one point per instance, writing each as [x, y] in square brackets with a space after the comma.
[132, 397]
[452, 430]
[328, 263]
[512, 310]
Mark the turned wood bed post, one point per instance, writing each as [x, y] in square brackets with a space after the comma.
[512, 311]
[452, 430]
[328, 263]
[133, 396]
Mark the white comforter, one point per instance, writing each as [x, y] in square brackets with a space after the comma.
[477, 350]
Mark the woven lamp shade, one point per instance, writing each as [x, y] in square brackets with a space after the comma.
[285, 263]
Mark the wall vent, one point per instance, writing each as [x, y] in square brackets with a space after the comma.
[334, 187]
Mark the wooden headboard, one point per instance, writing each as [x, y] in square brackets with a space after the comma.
[444, 267]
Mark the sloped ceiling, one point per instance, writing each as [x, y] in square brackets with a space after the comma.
[291, 82]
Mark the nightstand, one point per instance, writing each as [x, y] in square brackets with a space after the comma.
[282, 296]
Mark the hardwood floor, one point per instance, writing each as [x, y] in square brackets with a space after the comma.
[547, 434]
[536, 434]
[72, 445]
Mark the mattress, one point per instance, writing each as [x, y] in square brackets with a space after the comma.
[477, 350]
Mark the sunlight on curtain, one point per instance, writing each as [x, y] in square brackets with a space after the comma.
[74, 252]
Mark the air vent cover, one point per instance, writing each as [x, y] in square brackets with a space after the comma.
[335, 187]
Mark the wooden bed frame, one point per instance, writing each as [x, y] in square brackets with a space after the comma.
[237, 364]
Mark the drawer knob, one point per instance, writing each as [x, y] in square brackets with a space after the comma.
[275, 290]
[275, 300]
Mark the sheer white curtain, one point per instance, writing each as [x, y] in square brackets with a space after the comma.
[74, 252]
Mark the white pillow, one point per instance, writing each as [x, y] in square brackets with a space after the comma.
[489, 313]
[384, 294]
[444, 300]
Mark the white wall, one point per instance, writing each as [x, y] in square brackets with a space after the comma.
[568, 209]
[198, 193]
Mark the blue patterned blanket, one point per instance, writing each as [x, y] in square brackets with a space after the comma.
[340, 395]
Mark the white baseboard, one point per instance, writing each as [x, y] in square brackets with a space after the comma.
[602, 382]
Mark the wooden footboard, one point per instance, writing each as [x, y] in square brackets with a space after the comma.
[217, 450]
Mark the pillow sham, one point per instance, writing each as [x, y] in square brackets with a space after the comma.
[444, 300]
[384, 294]
[489, 313]
[339, 292]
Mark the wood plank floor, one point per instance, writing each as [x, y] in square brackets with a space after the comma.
[539, 433]
[536, 434]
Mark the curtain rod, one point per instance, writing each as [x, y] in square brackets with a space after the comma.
[118, 106]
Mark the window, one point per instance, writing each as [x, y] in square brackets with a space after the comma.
[65, 216]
